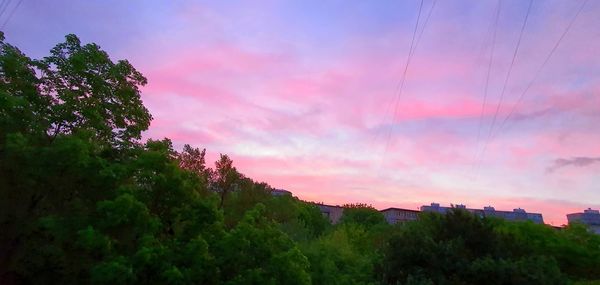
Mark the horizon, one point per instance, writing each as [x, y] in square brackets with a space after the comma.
[418, 208]
[300, 94]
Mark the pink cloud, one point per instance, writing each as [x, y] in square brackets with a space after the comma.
[317, 125]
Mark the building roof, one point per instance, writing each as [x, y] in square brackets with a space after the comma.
[588, 211]
[400, 209]
[282, 191]
[325, 205]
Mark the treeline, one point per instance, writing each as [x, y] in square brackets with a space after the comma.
[83, 201]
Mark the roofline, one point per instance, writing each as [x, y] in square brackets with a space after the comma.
[323, 204]
[582, 213]
[483, 210]
[401, 209]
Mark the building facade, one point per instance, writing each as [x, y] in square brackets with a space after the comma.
[333, 213]
[398, 215]
[589, 217]
[517, 214]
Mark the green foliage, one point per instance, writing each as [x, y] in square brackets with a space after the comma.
[76, 88]
[91, 92]
[459, 247]
[362, 214]
[588, 282]
[576, 250]
[192, 159]
[341, 257]
[257, 252]
[224, 178]
[115, 271]
[298, 219]
[21, 107]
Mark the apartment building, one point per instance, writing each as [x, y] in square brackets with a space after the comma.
[399, 215]
[517, 214]
[589, 217]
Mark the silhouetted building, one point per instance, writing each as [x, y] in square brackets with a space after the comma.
[398, 215]
[280, 192]
[333, 213]
[435, 207]
[517, 214]
[589, 217]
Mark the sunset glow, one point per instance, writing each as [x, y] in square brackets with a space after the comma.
[302, 94]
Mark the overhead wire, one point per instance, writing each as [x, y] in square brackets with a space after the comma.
[541, 67]
[410, 52]
[487, 78]
[400, 86]
[425, 24]
[11, 14]
[3, 6]
[506, 80]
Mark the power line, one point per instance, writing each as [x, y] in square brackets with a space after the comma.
[3, 6]
[514, 57]
[11, 14]
[539, 70]
[425, 24]
[493, 30]
[410, 53]
[400, 88]
[489, 69]
[506, 79]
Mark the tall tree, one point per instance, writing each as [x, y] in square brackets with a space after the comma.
[76, 88]
[193, 160]
[22, 108]
[224, 177]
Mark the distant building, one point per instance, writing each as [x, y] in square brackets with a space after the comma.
[589, 217]
[517, 214]
[436, 208]
[398, 215]
[280, 192]
[333, 213]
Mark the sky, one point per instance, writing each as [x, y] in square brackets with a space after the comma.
[305, 95]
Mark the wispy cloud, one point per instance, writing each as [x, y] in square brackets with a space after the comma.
[304, 101]
[580, 161]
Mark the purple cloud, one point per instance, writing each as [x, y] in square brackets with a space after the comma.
[580, 161]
